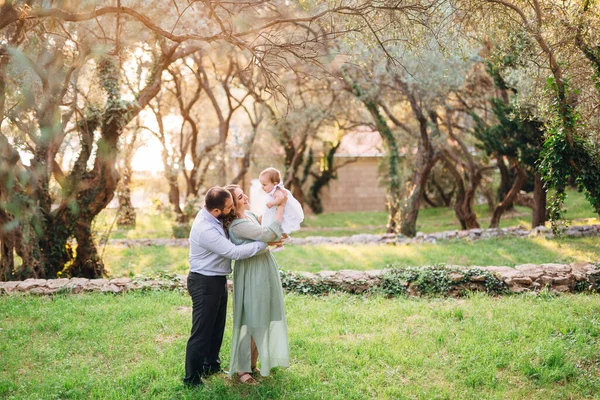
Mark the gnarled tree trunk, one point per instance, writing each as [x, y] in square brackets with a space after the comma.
[126, 214]
[510, 197]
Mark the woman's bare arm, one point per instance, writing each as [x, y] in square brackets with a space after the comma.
[278, 197]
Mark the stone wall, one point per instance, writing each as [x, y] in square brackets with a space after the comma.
[559, 278]
[82, 285]
[469, 235]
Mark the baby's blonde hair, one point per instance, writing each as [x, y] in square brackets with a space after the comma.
[272, 174]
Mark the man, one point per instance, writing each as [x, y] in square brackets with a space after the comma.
[210, 261]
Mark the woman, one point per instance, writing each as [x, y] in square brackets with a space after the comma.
[259, 323]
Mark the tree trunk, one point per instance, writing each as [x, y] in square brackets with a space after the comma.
[410, 211]
[460, 198]
[174, 198]
[510, 197]
[465, 207]
[468, 214]
[314, 194]
[393, 190]
[126, 214]
[297, 191]
[88, 263]
[460, 192]
[506, 180]
[32, 254]
[7, 248]
[538, 215]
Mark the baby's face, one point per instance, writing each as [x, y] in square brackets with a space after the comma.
[266, 184]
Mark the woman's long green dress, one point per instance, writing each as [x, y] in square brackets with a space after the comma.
[258, 309]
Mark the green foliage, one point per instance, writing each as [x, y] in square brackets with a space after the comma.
[567, 154]
[436, 280]
[296, 283]
[433, 280]
[518, 134]
[181, 230]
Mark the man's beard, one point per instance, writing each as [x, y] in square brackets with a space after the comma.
[224, 216]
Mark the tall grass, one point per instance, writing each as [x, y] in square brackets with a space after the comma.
[132, 346]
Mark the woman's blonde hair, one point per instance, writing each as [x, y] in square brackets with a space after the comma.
[272, 174]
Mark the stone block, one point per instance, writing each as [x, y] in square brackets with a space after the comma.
[522, 280]
[546, 280]
[9, 287]
[561, 280]
[57, 283]
[111, 288]
[29, 284]
[120, 281]
[76, 284]
[513, 273]
[530, 270]
[574, 234]
[44, 291]
[478, 278]
[555, 269]
[97, 282]
[561, 288]
[501, 270]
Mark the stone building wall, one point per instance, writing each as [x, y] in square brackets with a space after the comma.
[356, 189]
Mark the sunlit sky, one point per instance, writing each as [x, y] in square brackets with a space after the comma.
[148, 157]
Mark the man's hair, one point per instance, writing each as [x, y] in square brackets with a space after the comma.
[272, 175]
[215, 198]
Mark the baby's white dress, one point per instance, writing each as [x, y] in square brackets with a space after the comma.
[293, 214]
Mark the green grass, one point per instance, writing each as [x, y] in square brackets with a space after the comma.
[124, 261]
[342, 347]
[151, 225]
[137, 260]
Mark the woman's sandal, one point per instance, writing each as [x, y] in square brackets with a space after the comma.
[255, 371]
[247, 379]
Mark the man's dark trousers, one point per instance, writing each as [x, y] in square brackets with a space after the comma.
[209, 302]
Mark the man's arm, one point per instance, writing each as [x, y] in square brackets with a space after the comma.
[213, 241]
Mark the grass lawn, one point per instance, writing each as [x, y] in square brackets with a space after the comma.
[152, 226]
[132, 346]
[126, 261]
